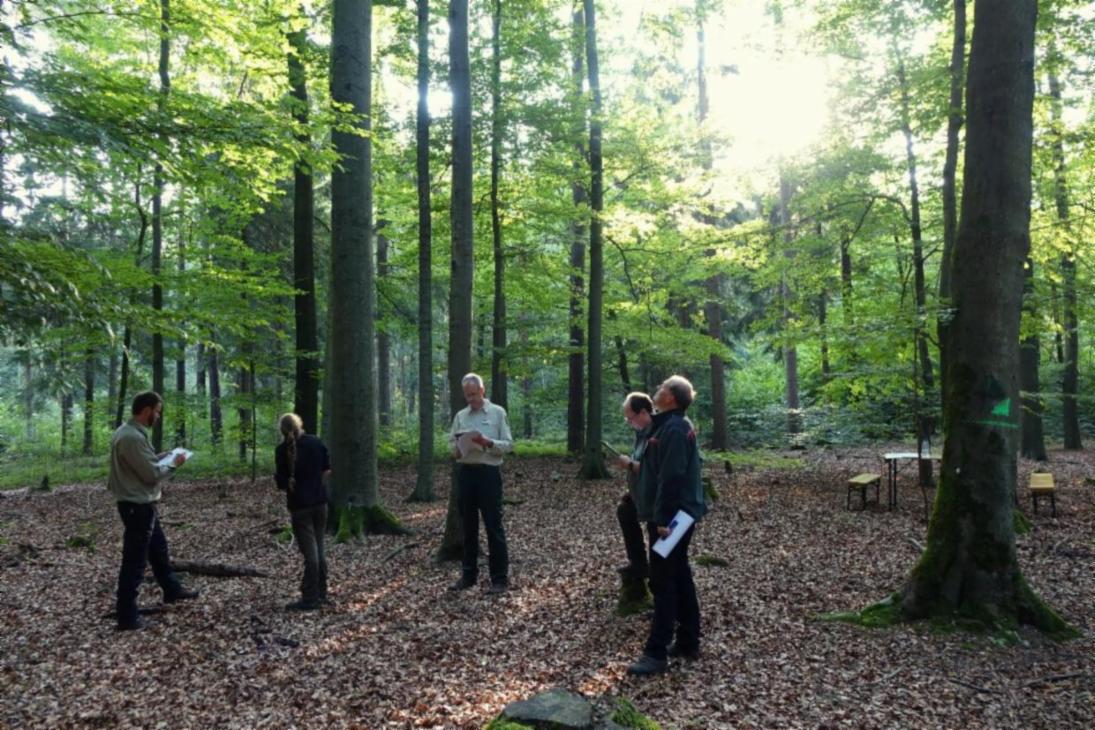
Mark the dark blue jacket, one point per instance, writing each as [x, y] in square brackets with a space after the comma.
[307, 487]
[669, 478]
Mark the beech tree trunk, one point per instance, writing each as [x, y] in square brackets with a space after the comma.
[950, 198]
[576, 361]
[423, 488]
[157, 223]
[353, 284]
[306, 382]
[593, 466]
[1070, 379]
[461, 215]
[384, 386]
[1034, 443]
[89, 402]
[498, 364]
[969, 567]
[790, 353]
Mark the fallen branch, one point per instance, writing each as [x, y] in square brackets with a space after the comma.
[974, 687]
[217, 569]
[1055, 678]
[917, 545]
[405, 546]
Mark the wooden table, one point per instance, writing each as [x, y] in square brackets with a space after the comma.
[893, 459]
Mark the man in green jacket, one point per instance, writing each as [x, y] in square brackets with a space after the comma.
[135, 475]
[669, 482]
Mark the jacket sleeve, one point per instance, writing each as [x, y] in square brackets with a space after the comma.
[504, 443]
[138, 455]
[673, 455]
[281, 474]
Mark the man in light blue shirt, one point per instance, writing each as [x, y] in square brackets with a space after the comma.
[480, 436]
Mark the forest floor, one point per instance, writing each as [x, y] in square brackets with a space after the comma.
[397, 650]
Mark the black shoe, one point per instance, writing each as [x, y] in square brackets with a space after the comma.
[648, 665]
[137, 625]
[689, 654]
[181, 595]
[302, 605]
[462, 584]
[498, 587]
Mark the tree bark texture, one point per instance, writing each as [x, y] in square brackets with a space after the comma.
[157, 221]
[593, 466]
[423, 489]
[498, 360]
[969, 567]
[353, 417]
[576, 361]
[306, 382]
[949, 191]
[1033, 443]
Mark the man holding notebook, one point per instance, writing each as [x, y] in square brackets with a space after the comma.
[669, 484]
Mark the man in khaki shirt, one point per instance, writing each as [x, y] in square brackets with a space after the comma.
[135, 483]
[480, 436]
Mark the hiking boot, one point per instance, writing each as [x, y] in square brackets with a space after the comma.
[687, 653]
[136, 625]
[181, 595]
[302, 605]
[648, 665]
[462, 584]
[498, 587]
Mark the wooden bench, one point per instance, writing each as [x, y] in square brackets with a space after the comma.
[1041, 484]
[859, 483]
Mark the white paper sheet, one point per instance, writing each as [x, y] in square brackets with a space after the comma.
[169, 460]
[465, 444]
[677, 527]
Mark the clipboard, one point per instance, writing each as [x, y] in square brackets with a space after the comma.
[677, 527]
[608, 447]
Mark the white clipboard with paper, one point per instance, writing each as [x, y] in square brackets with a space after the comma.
[169, 459]
[677, 527]
[465, 444]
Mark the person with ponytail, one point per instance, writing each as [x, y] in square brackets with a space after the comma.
[302, 462]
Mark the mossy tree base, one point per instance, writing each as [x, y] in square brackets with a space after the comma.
[356, 522]
[634, 597]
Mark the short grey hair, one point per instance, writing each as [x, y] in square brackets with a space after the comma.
[681, 389]
[471, 378]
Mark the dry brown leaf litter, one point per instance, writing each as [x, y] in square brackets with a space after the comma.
[399, 651]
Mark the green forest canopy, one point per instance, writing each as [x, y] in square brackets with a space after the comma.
[771, 191]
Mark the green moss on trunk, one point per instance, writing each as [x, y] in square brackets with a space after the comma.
[355, 522]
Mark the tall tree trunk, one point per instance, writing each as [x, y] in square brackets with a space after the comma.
[969, 567]
[384, 385]
[89, 401]
[822, 323]
[306, 382]
[720, 440]
[353, 283]
[593, 466]
[1034, 444]
[111, 384]
[1070, 379]
[498, 363]
[28, 393]
[127, 334]
[790, 352]
[924, 426]
[576, 374]
[216, 418]
[950, 170]
[423, 488]
[460, 284]
[66, 418]
[180, 366]
[200, 364]
[244, 387]
[157, 223]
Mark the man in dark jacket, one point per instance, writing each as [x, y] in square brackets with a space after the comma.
[669, 482]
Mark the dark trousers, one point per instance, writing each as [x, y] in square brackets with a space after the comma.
[480, 490]
[634, 545]
[675, 604]
[309, 526]
[142, 543]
